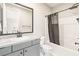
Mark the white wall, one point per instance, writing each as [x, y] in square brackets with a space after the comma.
[68, 26]
[40, 10]
[61, 7]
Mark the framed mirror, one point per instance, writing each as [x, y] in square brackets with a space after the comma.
[17, 18]
[1, 17]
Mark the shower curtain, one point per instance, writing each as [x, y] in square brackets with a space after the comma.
[53, 28]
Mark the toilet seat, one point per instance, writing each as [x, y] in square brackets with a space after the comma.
[46, 50]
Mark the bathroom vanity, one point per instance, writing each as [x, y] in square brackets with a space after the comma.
[17, 19]
[23, 46]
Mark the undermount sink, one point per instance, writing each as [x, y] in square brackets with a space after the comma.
[7, 42]
[10, 41]
[13, 39]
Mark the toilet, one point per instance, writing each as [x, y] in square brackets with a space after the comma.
[45, 48]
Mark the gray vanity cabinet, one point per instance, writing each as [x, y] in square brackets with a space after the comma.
[17, 53]
[5, 50]
[36, 41]
[21, 45]
[32, 51]
[28, 48]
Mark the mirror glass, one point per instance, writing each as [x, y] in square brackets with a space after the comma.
[17, 18]
[1, 19]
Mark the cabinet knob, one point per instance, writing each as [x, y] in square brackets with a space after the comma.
[25, 50]
[21, 53]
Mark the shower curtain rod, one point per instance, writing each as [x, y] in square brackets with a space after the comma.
[57, 12]
[72, 7]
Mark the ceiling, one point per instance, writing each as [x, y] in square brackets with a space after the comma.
[52, 5]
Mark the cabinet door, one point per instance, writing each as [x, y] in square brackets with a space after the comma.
[36, 41]
[18, 53]
[5, 50]
[32, 51]
[21, 45]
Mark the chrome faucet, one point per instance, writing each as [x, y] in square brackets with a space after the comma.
[19, 34]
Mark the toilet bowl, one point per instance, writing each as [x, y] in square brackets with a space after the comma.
[45, 48]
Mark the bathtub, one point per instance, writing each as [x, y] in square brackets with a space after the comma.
[51, 49]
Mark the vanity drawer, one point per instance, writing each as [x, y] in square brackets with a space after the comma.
[36, 41]
[5, 50]
[17, 53]
[32, 51]
[21, 45]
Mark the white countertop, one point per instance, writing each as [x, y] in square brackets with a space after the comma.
[16, 40]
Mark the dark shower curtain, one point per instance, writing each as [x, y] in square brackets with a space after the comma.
[53, 28]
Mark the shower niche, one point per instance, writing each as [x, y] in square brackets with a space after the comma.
[17, 18]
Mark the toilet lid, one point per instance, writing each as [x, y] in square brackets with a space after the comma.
[46, 47]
